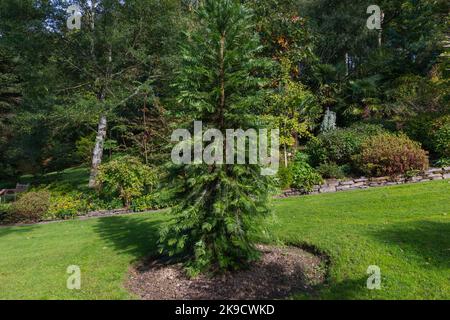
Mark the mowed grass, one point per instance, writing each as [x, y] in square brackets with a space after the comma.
[34, 259]
[404, 230]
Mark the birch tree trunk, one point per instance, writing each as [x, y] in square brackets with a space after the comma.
[285, 156]
[380, 32]
[97, 154]
[98, 151]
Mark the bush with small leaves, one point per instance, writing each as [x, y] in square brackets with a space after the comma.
[332, 171]
[65, 206]
[126, 178]
[31, 206]
[389, 154]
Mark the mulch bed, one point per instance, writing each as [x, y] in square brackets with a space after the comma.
[281, 272]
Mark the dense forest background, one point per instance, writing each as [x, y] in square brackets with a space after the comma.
[108, 89]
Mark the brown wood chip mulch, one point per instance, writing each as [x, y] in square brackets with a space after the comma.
[281, 272]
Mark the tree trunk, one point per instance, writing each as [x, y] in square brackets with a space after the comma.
[98, 151]
[285, 157]
[222, 82]
[380, 32]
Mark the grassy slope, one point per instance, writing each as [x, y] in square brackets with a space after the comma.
[73, 179]
[404, 230]
[70, 179]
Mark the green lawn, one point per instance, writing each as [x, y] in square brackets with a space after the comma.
[405, 230]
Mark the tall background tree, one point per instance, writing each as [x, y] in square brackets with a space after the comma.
[10, 97]
[361, 78]
[115, 69]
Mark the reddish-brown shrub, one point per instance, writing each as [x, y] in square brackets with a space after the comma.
[31, 206]
[387, 154]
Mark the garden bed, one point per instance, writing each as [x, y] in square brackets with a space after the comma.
[281, 272]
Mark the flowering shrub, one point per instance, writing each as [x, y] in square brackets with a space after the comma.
[65, 207]
[388, 154]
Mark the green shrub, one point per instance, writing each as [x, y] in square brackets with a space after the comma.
[332, 171]
[411, 173]
[304, 177]
[158, 200]
[5, 213]
[65, 207]
[444, 162]
[441, 137]
[420, 128]
[96, 204]
[316, 149]
[389, 154]
[340, 145]
[284, 177]
[31, 206]
[126, 178]
[143, 203]
[432, 133]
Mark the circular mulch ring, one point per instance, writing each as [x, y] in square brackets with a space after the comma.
[281, 272]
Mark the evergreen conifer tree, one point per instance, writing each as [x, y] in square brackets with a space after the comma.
[220, 83]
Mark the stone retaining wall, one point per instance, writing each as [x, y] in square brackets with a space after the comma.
[333, 185]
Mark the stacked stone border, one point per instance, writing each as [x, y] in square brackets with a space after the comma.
[333, 185]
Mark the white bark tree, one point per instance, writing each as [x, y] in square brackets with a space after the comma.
[98, 151]
[115, 57]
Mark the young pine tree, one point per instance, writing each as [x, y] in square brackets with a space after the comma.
[220, 84]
